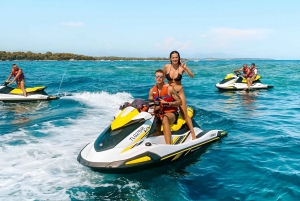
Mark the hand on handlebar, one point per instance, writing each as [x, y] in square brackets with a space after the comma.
[163, 102]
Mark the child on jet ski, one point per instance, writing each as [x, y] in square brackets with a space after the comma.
[169, 102]
[18, 77]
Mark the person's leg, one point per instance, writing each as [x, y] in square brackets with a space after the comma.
[168, 119]
[252, 79]
[187, 118]
[22, 86]
[157, 131]
[248, 82]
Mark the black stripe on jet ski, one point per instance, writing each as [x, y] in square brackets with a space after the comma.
[185, 137]
[178, 140]
[190, 148]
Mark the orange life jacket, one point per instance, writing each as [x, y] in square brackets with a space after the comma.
[164, 96]
[15, 73]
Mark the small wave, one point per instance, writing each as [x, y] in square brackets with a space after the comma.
[101, 99]
[125, 67]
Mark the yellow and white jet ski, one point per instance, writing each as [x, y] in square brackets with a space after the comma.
[236, 82]
[10, 94]
[129, 144]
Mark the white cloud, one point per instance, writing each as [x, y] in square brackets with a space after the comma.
[171, 43]
[238, 34]
[232, 40]
[72, 24]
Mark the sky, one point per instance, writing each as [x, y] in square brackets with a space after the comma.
[138, 28]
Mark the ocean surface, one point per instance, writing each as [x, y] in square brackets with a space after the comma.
[258, 160]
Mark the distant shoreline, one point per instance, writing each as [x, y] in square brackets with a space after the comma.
[49, 56]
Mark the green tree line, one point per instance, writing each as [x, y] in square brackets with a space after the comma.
[10, 56]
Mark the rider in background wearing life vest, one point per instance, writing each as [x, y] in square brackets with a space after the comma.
[18, 77]
[247, 74]
[246, 71]
[169, 101]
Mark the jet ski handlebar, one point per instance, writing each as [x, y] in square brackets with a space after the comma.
[237, 73]
[156, 103]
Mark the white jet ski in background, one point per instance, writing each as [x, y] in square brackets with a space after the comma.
[236, 82]
[10, 94]
[129, 144]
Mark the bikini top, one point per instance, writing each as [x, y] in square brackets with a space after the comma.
[177, 79]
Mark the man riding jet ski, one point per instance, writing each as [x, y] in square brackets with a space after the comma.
[133, 143]
[237, 82]
[10, 94]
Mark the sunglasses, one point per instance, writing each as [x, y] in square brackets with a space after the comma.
[159, 76]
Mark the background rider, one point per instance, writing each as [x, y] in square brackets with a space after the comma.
[18, 77]
[253, 73]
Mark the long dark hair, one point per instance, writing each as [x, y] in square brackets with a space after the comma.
[173, 52]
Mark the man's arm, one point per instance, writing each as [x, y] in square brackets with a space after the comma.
[238, 70]
[175, 96]
[150, 97]
[9, 76]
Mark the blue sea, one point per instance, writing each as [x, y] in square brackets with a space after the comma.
[258, 160]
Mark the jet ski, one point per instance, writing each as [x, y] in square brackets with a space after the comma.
[236, 82]
[10, 94]
[130, 143]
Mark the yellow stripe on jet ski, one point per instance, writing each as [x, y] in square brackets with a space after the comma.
[121, 121]
[187, 152]
[177, 156]
[136, 140]
[174, 139]
[184, 138]
[19, 91]
[190, 148]
[223, 133]
[229, 76]
[138, 160]
[179, 139]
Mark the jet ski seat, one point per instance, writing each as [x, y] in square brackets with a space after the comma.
[181, 121]
[19, 91]
[256, 78]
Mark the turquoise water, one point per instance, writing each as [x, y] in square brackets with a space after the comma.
[259, 160]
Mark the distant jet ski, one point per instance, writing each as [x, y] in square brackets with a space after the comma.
[10, 94]
[129, 144]
[236, 82]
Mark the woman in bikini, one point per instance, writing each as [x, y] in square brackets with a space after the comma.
[173, 72]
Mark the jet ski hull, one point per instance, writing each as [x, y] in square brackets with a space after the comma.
[29, 98]
[9, 94]
[149, 153]
[234, 83]
[237, 86]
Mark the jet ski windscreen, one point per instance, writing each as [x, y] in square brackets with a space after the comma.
[110, 138]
